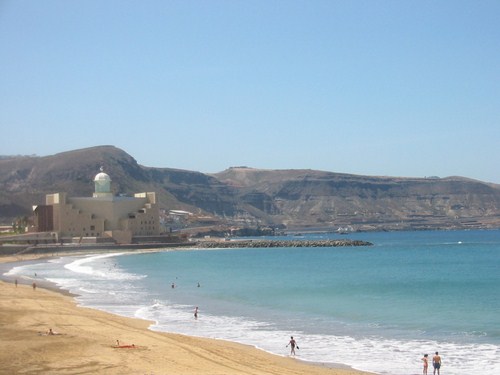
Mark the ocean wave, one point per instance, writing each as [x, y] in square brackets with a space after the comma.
[374, 353]
[108, 272]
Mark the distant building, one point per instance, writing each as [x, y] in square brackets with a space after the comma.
[101, 216]
[6, 228]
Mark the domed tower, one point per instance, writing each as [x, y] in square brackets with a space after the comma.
[102, 184]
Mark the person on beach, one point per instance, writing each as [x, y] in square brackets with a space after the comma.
[50, 332]
[425, 359]
[15, 283]
[196, 312]
[118, 345]
[34, 286]
[436, 362]
[292, 344]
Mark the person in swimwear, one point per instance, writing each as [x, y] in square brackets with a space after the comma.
[292, 344]
[196, 312]
[118, 345]
[425, 359]
[436, 362]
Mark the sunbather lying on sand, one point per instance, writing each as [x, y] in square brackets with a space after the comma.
[118, 345]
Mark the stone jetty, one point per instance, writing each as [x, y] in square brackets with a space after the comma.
[212, 244]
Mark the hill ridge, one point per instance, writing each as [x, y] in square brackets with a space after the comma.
[244, 196]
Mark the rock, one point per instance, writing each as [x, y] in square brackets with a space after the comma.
[280, 243]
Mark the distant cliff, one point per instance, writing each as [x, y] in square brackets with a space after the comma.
[306, 198]
[296, 199]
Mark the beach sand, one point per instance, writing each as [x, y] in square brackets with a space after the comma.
[85, 340]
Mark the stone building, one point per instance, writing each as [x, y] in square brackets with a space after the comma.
[100, 217]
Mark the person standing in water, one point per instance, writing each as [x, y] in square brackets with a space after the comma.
[196, 312]
[292, 344]
[436, 362]
[426, 363]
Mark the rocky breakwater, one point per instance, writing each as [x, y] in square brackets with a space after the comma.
[212, 244]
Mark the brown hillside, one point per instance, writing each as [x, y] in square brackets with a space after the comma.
[299, 199]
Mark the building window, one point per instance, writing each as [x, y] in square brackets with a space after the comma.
[92, 227]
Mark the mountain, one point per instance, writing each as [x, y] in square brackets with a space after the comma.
[295, 199]
[307, 198]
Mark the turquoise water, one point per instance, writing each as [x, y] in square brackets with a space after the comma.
[377, 308]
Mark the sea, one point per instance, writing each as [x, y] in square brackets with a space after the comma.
[375, 308]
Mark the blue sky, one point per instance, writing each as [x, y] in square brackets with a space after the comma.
[393, 88]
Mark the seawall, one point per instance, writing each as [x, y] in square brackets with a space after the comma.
[280, 243]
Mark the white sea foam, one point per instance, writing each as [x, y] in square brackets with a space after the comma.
[109, 272]
[375, 354]
[15, 271]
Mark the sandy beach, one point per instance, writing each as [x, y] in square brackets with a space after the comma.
[85, 342]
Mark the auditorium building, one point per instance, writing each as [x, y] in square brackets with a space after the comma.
[100, 218]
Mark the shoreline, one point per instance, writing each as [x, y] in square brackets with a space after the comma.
[198, 354]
